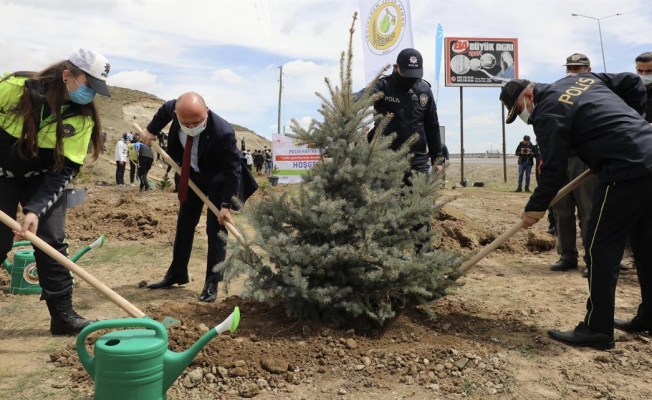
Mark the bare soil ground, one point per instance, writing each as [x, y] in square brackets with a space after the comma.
[488, 341]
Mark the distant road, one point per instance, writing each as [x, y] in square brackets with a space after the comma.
[481, 160]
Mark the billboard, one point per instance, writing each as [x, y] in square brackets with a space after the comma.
[292, 158]
[480, 61]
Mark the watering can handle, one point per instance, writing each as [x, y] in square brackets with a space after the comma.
[147, 323]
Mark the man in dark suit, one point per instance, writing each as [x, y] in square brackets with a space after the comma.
[214, 164]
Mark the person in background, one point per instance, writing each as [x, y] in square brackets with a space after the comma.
[580, 198]
[133, 163]
[525, 152]
[120, 156]
[132, 154]
[48, 125]
[258, 161]
[162, 138]
[250, 160]
[145, 161]
[268, 161]
[603, 125]
[205, 146]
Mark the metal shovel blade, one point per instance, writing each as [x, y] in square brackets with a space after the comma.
[74, 197]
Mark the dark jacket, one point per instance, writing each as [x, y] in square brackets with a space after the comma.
[144, 151]
[600, 117]
[526, 153]
[218, 157]
[414, 112]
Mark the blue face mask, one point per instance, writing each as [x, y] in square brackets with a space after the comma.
[193, 131]
[83, 95]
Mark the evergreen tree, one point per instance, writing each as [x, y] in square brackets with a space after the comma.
[344, 244]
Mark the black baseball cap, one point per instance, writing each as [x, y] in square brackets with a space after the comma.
[578, 59]
[508, 95]
[410, 63]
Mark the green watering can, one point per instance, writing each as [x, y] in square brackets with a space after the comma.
[24, 278]
[137, 364]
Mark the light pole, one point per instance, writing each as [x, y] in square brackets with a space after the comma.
[604, 63]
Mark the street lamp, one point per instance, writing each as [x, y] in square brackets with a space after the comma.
[604, 63]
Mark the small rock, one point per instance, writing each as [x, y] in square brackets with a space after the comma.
[196, 375]
[351, 344]
[223, 372]
[202, 328]
[248, 390]
[274, 365]
[238, 371]
[366, 361]
[602, 358]
[426, 361]
[341, 392]
[240, 363]
[359, 367]
[262, 383]
[460, 364]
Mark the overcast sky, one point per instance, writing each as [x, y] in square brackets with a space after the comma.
[230, 51]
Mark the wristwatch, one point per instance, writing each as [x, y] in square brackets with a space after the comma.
[226, 205]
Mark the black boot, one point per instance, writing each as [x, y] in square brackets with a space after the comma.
[64, 320]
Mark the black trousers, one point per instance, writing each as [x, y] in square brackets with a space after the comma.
[144, 165]
[188, 218]
[132, 171]
[620, 210]
[119, 173]
[54, 278]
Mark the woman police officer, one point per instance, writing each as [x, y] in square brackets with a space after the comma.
[48, 123]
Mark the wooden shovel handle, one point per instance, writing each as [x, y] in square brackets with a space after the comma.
[468, 264]
[77, 270]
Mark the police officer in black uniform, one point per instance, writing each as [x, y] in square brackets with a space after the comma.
[599, 117]
[641, 322]
[410, 100]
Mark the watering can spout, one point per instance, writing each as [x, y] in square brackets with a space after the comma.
[98, 243]
[176, 363]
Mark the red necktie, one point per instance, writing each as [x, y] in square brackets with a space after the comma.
[185, 171]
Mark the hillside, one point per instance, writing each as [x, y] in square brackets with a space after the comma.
[126, 106]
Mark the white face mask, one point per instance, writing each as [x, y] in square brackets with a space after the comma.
[193, 131]
[647, 79]
[525, 114]
[571, 73]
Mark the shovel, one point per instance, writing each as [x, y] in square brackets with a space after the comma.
[470, 263]
[77, 270]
